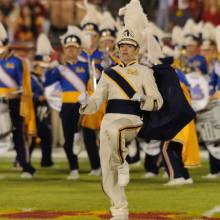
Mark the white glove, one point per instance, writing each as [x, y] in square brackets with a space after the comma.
[138, 97]
[83, 99]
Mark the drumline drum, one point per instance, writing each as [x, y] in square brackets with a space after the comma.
[208, 125]
[199, 90]
[6, 139]
[208, 122]
[208, 113]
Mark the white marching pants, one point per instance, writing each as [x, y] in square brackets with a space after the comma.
[116, 130]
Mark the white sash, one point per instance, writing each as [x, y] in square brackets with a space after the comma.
[38, 82]
[6, 79]
[72, 78]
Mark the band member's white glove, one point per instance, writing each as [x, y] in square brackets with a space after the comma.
[83, 99]
[138, 97]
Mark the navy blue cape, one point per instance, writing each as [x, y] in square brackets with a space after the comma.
[175, 113]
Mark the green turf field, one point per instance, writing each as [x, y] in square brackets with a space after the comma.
[50, 191]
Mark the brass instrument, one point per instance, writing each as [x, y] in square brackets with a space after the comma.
[92, 72]
[94, 83]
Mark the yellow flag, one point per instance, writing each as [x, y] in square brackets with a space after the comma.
[27, 106]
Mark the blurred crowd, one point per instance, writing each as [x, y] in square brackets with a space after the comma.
[25, 19]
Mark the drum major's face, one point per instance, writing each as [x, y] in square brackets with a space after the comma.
[127, 52]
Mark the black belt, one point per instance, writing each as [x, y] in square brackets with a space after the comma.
[121, 106]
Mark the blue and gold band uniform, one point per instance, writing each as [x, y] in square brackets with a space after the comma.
[91, 123]
[14, 69]
[42, 119]
[214, 83]
[95, 56]
[70, 107]
[198, 62]
[12, 66]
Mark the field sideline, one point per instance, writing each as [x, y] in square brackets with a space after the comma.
[148, 199]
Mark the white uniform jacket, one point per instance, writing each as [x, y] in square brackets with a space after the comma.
[140, 77]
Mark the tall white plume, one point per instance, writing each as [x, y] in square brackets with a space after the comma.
[134, 17]
[3, 33]
[208, 31]
[92, 14]
[43, 45]
[107, 22]
[152, 46]
[189, 27]
[73, 30]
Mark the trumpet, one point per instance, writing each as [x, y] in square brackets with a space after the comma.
[92, 73]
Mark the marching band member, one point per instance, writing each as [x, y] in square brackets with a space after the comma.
[73, 77]
[214, 159]
[110, 58]
[15, 85]
[123, 87]
[194, 61]
[107, 41]
[40, 63]
[93, 57]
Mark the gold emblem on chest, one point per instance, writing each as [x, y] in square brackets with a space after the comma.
[132, 71]
[10, 65]
[80, 70]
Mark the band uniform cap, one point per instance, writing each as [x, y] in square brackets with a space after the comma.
[43, 51]
[190, 40]
[90, 28]
[73, 37]
[72, 40]
[42, 60]
[127, 36]
[107, 34]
